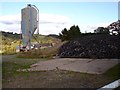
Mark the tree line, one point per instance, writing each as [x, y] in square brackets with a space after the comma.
[74, 32]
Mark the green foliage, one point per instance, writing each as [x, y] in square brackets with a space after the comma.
[44, 39]
[10, 41]
[70, 34]
[11, 64]
[64, 34]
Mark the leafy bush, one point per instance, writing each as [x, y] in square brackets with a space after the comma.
[70, 34]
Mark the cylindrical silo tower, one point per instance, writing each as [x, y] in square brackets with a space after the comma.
[29, 24]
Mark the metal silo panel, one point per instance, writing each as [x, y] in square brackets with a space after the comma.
[29, 24]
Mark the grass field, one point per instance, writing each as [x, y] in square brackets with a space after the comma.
[50, 79]
[41, 53]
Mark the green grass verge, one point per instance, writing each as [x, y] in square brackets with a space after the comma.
[114, 72]
[41, 53]
[10, 65]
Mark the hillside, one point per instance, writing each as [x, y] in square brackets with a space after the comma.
[10, 41]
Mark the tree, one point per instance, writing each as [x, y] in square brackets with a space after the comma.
[72, 33]
[106, 31]
[64, 34]
[102, 30]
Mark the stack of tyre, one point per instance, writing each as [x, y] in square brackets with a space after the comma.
[94, 46]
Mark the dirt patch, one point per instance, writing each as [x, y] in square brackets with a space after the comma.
[56, 79]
